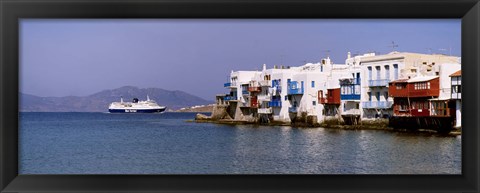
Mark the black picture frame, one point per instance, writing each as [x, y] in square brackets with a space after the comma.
[13, 10]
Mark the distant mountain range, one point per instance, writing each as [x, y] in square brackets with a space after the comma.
[99, 102]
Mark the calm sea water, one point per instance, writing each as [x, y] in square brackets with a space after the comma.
[103, 143]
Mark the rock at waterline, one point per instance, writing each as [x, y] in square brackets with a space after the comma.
[200, 116]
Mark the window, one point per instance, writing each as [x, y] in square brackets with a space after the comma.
[369, 73]
[457, 89]
[440, 108]
[313, 84]
[402, 106]
[387, 72]
[395, 71]
[378, 72]
[369, 96]
[314, 103]
[422, 85]
[386, 96]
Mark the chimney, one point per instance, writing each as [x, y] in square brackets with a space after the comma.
[349, 55]
[264, 67]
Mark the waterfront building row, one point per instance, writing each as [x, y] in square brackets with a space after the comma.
[360, 89]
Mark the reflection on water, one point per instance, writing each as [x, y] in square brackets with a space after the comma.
[90, 143]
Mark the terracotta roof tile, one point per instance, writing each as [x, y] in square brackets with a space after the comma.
[457, 73]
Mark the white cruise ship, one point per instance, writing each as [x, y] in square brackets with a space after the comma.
[136, 106]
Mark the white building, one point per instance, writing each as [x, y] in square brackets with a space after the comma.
[351, 89]
[379, 70]
[280, 93]
[238, 96]
[354, 91]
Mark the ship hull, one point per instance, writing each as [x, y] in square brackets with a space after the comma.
[136, 110]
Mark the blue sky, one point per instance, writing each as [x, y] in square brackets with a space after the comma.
[62, 57]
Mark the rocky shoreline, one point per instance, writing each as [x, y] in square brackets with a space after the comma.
[329, 124]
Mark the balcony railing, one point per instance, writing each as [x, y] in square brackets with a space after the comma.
[275, 103]
[229, 84]
[294, 88]
[351, 112]
[230, 98]
[265, 110]
[329, 100]
[375, 83]
[323, 100]
[245, 92]
[377, 104]
[292, 109]
[262, 98]
[254, 89]
[350, 97]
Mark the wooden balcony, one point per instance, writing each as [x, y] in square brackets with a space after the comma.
[254, 89]
[403, 88]
[332, 96]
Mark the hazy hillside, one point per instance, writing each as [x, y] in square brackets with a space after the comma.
[99, 102]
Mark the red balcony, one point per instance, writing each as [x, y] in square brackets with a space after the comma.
[415, 87]
[332, 96]
[254, 89]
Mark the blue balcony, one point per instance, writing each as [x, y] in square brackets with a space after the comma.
[275, 103]
[377, 105]
[379, 83]
[276, 85]
[350, 97]
[230, 98]
[228, 84]
[245, 92]
[294, 88]
[292, 109]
